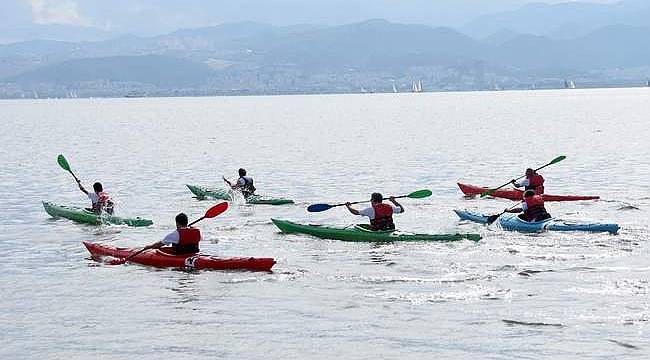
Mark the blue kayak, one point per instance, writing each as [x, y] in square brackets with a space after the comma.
[513, 222]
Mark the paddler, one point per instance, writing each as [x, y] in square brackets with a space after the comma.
[380, 214]
[183, 240]
[532, 207]
[99, 199]
[532, 181]
[244, 184]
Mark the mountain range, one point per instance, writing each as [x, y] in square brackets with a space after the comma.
[518, 49]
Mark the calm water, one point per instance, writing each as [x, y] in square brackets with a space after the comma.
[579, 296]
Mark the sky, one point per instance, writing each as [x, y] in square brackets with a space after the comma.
[152, 17]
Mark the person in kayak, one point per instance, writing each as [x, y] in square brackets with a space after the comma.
[532, 207]
[183, 240]
[532, 181]
[380, 214]
[244, 184]
[99, 199]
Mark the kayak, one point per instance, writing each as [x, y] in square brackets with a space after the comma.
[363, 233]
[160, 258]
[517, 195]
[84, 216]
[223, 194]
[513, 222]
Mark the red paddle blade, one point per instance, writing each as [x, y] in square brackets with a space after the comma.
[216, 210]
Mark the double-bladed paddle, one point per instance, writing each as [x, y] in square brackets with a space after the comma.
[210, 213]
[554, 161]
[414, 195]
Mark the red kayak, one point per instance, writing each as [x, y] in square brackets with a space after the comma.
[517, 195]
[160, 258]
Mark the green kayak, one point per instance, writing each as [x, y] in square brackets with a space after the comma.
[87, 217]
[362, 233]
[223, 194]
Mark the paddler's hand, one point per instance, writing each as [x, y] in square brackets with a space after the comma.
[513, 181]
[348, 204]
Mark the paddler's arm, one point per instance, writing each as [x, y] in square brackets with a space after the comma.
[227, 182]
[81, 187]
[155, 245]
[351, 209]
[392, 199]
[524, 182]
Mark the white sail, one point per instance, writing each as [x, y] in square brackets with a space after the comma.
[394, 88]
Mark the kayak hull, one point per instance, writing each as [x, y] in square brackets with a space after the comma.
[514, 223]
[223, 194]
[86, 217]
[518, 195]
[360, 233]
[162, 259]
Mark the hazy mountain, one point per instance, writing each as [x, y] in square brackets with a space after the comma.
[564, 20]
[92, 20]
[149, 69]
[262, 58]
[610, 47]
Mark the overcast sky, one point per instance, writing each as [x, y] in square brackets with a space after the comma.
[148, 17]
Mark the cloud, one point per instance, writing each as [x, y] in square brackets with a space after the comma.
[57, 12]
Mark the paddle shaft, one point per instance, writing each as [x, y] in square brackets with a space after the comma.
[494, 218]
[491, 191]
[365, 201]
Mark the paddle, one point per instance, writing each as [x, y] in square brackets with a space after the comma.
[66, 166]
[414, 195]
[210, 213]
[554, 161]
[493, 218]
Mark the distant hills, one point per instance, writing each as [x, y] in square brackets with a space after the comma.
[563, 20]
[255, 58]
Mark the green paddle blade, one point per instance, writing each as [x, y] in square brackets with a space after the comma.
[557, 160]
[488, 193]
[63, 162]
[419, 194]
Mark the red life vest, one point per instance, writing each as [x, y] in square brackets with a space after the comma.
[535, 209]
[188, 241]
[103, 203]
[383, 217]
[536, 182]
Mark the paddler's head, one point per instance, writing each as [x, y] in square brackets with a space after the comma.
[181, 220]
[242, 172]
[376, 198]
[98, 187]
[529, 193]
[530, 172]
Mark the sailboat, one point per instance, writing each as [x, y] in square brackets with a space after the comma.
[417, 86]
[394, 88]
[569, 84]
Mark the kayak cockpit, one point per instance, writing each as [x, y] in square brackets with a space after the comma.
[368, 228]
